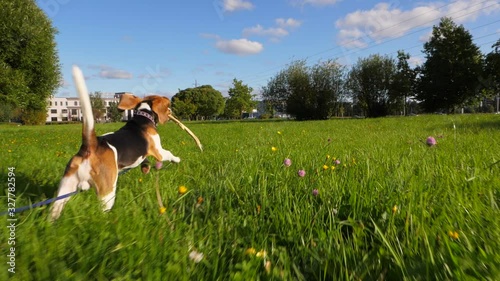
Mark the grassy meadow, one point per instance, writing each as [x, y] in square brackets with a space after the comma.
[375, 203]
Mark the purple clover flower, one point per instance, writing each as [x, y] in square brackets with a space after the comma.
[287, 162]
[158, 165]
[431, 141]
[315, 192]
[337, 162]
[301, 173]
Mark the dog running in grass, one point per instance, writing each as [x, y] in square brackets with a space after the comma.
[101, 158]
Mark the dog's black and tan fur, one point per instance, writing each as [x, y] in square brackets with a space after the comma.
[100, 159]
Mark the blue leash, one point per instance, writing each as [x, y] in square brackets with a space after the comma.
[32, 206]
[46, 202]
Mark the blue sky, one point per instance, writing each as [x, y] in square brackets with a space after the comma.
[159, 47]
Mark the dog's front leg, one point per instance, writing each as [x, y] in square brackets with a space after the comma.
[162, 154]
[168, 156]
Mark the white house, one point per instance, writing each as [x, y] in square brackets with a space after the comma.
[68, 109]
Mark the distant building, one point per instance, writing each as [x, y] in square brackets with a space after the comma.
[68, 109]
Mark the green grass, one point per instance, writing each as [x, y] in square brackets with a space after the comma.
[385, 213]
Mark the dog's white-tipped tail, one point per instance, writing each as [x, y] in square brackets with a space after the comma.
[89, 137]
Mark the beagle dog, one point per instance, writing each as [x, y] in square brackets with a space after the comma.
[100, 159]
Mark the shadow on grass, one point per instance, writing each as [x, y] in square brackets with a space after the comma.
[28, 191]
[486, 124]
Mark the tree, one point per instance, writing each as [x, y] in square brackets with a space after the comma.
[449, 78]
[29, 65]
[240, 100]
[276, 93]
[491, 77]
[403, 83]
[114, 114]
[7, 112]
[327, 82]
[183, 108]
[301, 101]
[306, 92]
[370, 82]
[198, 103]
[98, 105]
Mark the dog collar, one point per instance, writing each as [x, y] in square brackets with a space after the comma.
[145, 114]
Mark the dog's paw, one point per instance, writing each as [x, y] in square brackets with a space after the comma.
[145, 168]
[168, 156]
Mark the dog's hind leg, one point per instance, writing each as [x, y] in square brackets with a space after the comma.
[106, 180]
[69, 183]
[106, 190]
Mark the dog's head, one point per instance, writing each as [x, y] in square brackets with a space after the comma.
[160, 105]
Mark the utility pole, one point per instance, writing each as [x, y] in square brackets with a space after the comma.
[195, 83]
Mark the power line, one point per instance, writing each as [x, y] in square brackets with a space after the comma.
[392, 39]
[378, 31]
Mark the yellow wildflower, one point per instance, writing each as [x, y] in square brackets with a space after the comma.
[182, 189]
[394, 209]
[261, 254]
[250, 251]
[325, 167]
[163, 210]
[274, 148]
[453, 234]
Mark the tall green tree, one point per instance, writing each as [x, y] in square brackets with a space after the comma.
[301, 100]
[114, 113]
[306, 92]
[370, 83]
[98, 105]
[183, 107]
[202, 102]
[276, 93]
[29, 64]
[449, 78]
[403, 83]
[327, 82]
[240, 100]
[491, 76]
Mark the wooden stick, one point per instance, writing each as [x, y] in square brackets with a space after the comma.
[187, 130]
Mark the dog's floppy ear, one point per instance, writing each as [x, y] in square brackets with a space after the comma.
[128, 101]
[161, 106]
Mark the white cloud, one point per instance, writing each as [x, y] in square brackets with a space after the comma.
[258, 30]
[315, 2]
[156, 73]
[386, 21]
[274, 33]
[235, 5]
[115, 74]
[64, 84]
[425, 37]
[109, 72]
[288, 23]
[416, 61]
[239, 46]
